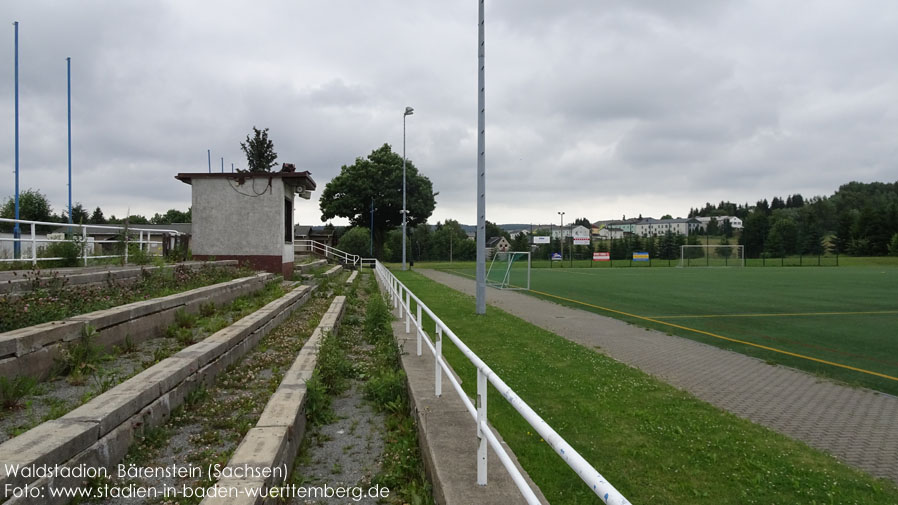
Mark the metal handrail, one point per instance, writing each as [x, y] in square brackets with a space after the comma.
[601, 487]
[34, 240]
[332, 252]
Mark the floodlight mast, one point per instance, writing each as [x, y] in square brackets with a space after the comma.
[16, 231]
[481, 170]
[408, 112]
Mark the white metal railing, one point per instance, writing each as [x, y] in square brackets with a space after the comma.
[144, 240]
[401, 298]
[332, 253]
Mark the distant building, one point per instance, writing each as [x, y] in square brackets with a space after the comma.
[650, 227]
[496, 244]
[735, 222]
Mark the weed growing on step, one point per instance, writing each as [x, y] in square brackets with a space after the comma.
[79, 359]
[12, 391]
[52, 299]
[403, 469]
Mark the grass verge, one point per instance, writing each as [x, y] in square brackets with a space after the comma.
[656, 444]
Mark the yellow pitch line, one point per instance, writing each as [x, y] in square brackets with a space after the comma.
[704, 316]
[766, 348]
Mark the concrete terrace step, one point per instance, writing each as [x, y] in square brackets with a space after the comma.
[15, 281]
[98, 433]
[448, 437]
[274, 441]
[308, 267]
[31, 350]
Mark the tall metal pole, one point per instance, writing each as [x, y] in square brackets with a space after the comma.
[561, 236]
[222, 164]
[371, 248]
[481, 167]
[68, 64]
[209, 159]
[16, 232]
[403, 191]
[232, 167]
[408, 112]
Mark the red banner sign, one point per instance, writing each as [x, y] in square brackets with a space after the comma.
[601, 256]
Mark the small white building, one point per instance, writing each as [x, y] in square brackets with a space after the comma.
[246, 216]
[735, 222]
[578, 231]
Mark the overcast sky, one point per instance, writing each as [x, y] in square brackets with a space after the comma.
[595, 108]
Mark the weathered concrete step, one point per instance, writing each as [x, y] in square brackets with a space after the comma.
[447, 434]
[273, 443]
[308, 267]
[11, 283]
[352, 276]
[98, 433]
[32, 350]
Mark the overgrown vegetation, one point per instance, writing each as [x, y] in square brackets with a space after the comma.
[403, 469]
[51, 299]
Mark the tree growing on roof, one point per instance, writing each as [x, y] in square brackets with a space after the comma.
[259, 150]
[378, 179]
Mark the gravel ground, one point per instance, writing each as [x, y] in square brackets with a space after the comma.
[209, 428]
[59, 395]
[347, 452]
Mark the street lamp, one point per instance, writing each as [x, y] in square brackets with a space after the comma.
[561, 238]
[408, 112]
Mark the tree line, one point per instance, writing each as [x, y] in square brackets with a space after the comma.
[34, 206]
[859, 219]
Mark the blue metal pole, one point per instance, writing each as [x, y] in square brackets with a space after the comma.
[16, 232]
[68, 63]
[209, 158]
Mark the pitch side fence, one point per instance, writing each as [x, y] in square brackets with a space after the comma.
[402, 298]
[32, 240]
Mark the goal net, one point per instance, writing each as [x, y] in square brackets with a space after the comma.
[509, 270]
[712, 256]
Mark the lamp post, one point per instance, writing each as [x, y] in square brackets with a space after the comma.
[408, 112]
[561, 238]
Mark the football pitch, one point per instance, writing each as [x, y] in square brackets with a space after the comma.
[840, 323]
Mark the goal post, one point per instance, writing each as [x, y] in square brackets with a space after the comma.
[719, 255]
[509, 270]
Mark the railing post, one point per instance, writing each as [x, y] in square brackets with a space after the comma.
[408, 314]
[438, 372]
[33, 246]
[126, 246]
[481, 422]
[84, 243]
[140, 241]
[418, 323]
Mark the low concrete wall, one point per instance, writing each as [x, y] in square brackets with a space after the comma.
[352, 276]
[99, 433]
[308, 267]
[92, 275]
[333, 271]
[274, 441]
[32, 350]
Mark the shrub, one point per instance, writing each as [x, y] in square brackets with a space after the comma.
[12, 391]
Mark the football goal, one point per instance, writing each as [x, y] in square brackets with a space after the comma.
[509, 270]
[712, 256]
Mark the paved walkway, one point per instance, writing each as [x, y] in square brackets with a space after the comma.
[858, 426]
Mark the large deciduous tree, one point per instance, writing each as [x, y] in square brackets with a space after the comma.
[33, 206]
[259, 150]
[378, 179]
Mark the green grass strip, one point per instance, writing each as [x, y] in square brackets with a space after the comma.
[655, 443]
